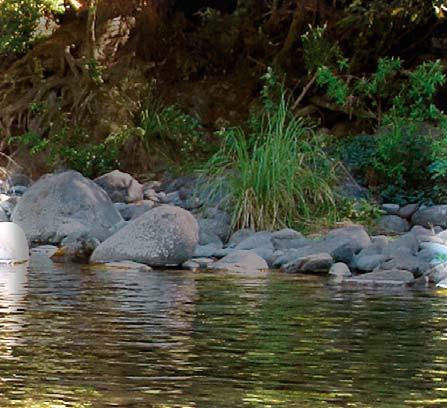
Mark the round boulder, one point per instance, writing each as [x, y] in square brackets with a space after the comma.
[62, 204]
[164, 236]
[13, 244]
[121, 187]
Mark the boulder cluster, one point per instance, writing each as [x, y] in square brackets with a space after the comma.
[119, 221]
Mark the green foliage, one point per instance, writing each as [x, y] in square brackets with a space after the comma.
[405, 161]
[275, 172]
[19, 20]
[71, 148]
[170, 125]
[336, 88]
[164, 130]
[361, 211]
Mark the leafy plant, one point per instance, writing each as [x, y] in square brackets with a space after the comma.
[405, 161]
[71, 148]
[162, 130]
[275, 172]
[19, 20]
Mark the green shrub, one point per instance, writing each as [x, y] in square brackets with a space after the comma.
[405, 161]
[71, 148]
[162, 131]
[19, 20]
[275, 172]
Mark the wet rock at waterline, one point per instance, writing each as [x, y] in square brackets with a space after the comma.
[240, 261]
[13, 244]
[315, 263]
[121, 187]
[164, 236]
[65, 203]
[382, 278]
[340, 271]
[76, 248]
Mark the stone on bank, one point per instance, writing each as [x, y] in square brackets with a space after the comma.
[62, 204]
[164, 236]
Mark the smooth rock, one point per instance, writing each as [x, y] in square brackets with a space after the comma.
[409, 263]
[407, 211]
[391, 209]
[121, 187]
[340, 270]
[316, 263]
[240, 261]
[217, 227]
[60, 204]
[437, 272]
[203, 262]
[257, 240]
[13, 244]
[239, 236]
[190, 265]
[164, 236]
[393, 224]
[134, 210]
[431, 216]
[288, 239]
[343, 243]
[205, 251]
[207, 237]
[438, 250]
[367, 263]
[291, 255]
[76, 248]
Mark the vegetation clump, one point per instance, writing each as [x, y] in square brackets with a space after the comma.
[274, 170]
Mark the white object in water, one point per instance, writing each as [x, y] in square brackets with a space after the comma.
[442, 284]
[13, 244]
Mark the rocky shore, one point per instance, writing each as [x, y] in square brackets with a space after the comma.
[116, 220]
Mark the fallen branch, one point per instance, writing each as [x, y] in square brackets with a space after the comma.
[326, 104]
[304, 91]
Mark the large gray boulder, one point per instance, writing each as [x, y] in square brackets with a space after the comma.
[393, 224]
[164, 236]
[343, 243]
[62, 204]
[121, 187]
[431, 216]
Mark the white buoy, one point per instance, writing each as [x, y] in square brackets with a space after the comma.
[13, 244]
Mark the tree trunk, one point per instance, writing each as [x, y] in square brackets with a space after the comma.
[91, 29]
[295, 28]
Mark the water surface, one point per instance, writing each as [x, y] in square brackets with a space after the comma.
[71, 336]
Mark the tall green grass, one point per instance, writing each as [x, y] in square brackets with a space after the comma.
[275, 174]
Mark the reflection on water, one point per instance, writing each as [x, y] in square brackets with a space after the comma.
[79, 337]
[13, 279]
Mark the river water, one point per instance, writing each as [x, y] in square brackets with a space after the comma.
[74, 336]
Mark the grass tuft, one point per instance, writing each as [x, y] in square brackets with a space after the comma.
[275, 174]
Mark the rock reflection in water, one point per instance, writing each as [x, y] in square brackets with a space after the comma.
[13, 289]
